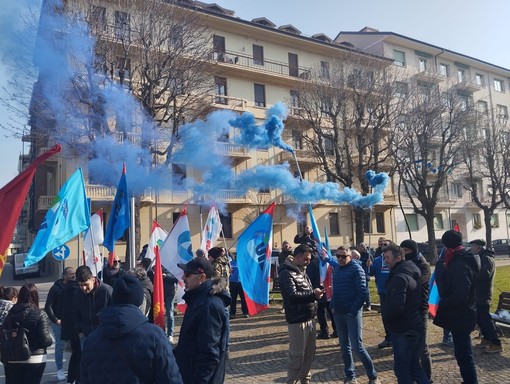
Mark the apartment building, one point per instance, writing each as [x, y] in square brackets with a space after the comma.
[484, 84]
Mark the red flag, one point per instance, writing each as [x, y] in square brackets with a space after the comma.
[12, 197]
[456, 227]
[158, 299]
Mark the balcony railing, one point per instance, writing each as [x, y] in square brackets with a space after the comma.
[230, 149]
[100, 192]
[229, 102]
[231, 196]
[45, 202]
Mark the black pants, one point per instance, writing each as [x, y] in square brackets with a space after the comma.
[24, 373]
[487, 328]
[236, 289]
[73, 373]
[322, 308]
[382, 299]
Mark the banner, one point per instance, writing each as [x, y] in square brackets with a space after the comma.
[158, 236]
[158, 297]
[317, 236]
[212, 229]
[92, 239]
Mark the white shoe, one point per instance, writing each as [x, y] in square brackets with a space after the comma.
[171, 339]
[61, 375]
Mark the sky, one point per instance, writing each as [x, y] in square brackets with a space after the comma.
[473, 28]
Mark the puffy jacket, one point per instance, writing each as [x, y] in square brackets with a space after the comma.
[86, 307]
[126, 348]
[457, 288]
[53, 306]
[202, 347]
[402, 310]
[419, 260]
[485, 279]
[37, 324]
[381, 271]
[349, 287]
[297, 292]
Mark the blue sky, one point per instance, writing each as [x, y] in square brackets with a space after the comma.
[473, 28]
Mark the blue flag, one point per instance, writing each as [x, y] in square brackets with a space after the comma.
[120, 218]
[254, 261]
[316, 234]
[68, 216]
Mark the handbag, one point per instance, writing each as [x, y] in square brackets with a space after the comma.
[14, 343]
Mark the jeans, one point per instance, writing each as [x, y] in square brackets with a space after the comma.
[407, 351]
[487, 328]
[464, 356]
[425, 359]
[73, 372]
[349, 332]
[447, 335]
[382, 299]
[59, 346]
[169, 316]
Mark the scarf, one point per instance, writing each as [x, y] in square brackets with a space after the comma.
[449, 253]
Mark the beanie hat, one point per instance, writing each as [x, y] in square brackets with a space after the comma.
[215, 252]
[128, 290]
[452, 239]
[410, 244]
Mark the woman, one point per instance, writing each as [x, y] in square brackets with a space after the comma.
[8, 297]
[27, 313]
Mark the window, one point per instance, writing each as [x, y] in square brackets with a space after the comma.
[456, 190]
[495, 221]
[482, 107]
[379, 222]
[258, 54]
[98, 18]
[297, 139]
[438, 222]
[218, 48]
[122, 29]
[499, 85]
[444, 70]
[501, 111]
[324, 70]
[176, 86]
[480, 80]
[260, 95]
[328, 146]
[179, 176]
[176, 37]
[293, 65]
[422, 64]
[461, 74]
[294, 99]
[220, 84]
[401, 89]
[175, 216]
[477, 221]
[399, 58]
[412, 221]
[123, 70]
[226, 224]
[334, 225]
[465, 100]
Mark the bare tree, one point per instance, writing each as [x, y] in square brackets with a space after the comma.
[427, 146]
[344, 114]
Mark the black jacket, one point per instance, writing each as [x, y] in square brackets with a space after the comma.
[307, 240]
[37, 324]
[53, 306]
[169, 282]
[283, 255]
[202, 347]
[457, 289]
[68, 331]
[424, 267]
[402, 308]
[297, 292]
[86, 307]
[126, 348]
[313, 271]
[485, 279]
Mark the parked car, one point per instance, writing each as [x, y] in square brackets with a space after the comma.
[20, 271]
[501, 247]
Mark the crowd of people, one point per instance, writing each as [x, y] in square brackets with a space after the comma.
[107, 320]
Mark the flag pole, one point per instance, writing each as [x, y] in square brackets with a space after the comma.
[132, 233]
[93, 248]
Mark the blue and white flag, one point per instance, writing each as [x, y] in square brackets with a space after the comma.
[68, 216]
[316, 234]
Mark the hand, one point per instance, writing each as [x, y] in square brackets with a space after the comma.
[369, 262]
[318, 292]
[324, 253]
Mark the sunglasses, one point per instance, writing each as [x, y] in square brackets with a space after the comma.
[188, 274]
[116, 261]
[342, 256]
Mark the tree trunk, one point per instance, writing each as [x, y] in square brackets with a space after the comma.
[359, 215]
[429, 219]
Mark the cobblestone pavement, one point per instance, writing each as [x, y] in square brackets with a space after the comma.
[258, 353]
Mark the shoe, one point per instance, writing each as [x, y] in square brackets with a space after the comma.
[246, 315]
[368, 308]
[384, 344]
[61, 375]
[447, 342]
[374, 381]
[494, 348]
[232, 317]
[171, 339]
[483, 344]
[282, 310]
[323, 335]
[334, 335]
[351, 381]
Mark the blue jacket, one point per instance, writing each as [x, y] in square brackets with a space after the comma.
[381, 271]
[202, 346]
[349, 287]
[126, 348]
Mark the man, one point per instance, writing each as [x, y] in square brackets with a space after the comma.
[484, 287]
[381, 242]
[457, 308]
[404, 317]
[349, 294]
[88, 301]
[366, 260]
[300, 303]
[380, 270]
[236, 289]
[126, 348]
[308, 239]
[202, 347]
[286, 251]
[412, 254]
[111, 273]
[53, 308]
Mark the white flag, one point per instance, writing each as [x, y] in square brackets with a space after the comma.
[157, 239]
[212, 229]
[93, 237]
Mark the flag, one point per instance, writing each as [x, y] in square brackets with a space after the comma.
[328, 280]
[254, 261]
[212, 229]
[158, 298]
[92, 239]
[68, 216]
[433, 295]
[158, 236]
[177, 248]
[119, 219]
[456, 227]
[12, 197]
[318, 241]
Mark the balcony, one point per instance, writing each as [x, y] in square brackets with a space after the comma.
[468, 83]
[100, 192]
[233, 150]
[229, 102]
[429, 76]
[132, 137]
[306, 158]
[229, 196]
[45, 202]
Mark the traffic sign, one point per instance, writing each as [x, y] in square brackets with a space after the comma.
[61, 253]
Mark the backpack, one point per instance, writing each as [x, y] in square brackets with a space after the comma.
[14, 343]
